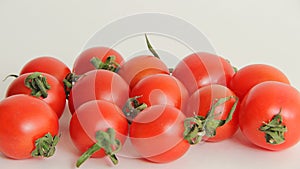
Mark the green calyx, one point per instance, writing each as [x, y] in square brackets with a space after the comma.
[38, 84]
[198, 126]
[105, 140]
[274, 130]
[132, 108]
[109, 64]
[45, 146]
[69, 81]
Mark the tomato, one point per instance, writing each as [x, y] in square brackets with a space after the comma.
[83, 63]
[160, 89]
[135, 69]
[55, 96]
[47, 64]
[200, 69]
[24, 119]
[251, 75]
[94, 116]
[201, 103]
[271, 108]
[157, 134]
[99, 85]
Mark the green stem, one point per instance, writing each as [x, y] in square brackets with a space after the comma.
[11, 75]
[38, 84]
[45, 146]
[151, 49]
[132, 108]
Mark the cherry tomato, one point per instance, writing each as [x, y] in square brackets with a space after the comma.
[54, 95]
[47, 64]
[201, 103]
[269, 115]
[24, 119]
[99, 85]
[251, 75]
[200, 69]
[135, 69]
[157, 134]
[160, 89]
[94, 116]
[83, 63]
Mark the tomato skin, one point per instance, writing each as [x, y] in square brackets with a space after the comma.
[93, 116]
[200, 69]
[201, 102]
[157, 134]
[135, 69]
[56, 95]
[251, 75]
[47, 64]
[261, 104]
[82, 63]
[23, 120]
[99, 85]
[160, 89]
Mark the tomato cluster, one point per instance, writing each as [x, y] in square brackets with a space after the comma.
[141, 101]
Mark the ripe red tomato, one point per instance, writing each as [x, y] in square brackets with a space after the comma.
[200, 69]
[160, 89]
[55, 97]
[251, 75]
[83, 63]
[24, 119]
[47, 64]
[201, 103]
[271, 108]
[99, 85]
[157, 134]
[94, 116]
[135, 69]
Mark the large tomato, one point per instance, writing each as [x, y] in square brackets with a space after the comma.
[83, 63]
[99, 85]
[160, 89]
[157, 134]
[95, 116]
[47, 64]
[203, 102]
[135, 69]
[53, 92]
[270, 115]
[200, 69]
[251, 75]
[24, 119]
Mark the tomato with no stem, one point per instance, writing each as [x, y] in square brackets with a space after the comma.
[83, 63]
[52, 92]
[99, 85]
[94, 116]
[160, 89]
[47, 64]
[202, 102]
[269, 115]
[200, 69]
[251, 75]
[135, 69]
[24, 119]
[157, 134]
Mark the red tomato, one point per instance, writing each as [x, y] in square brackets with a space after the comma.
[93, 116]
[24, 119]
[47, 64]
[160, 89]
[157, 134]
[135, 69]
[251, 75]
[200, 69]
[201, 103]
[99, 85]
[56, 97]
[83, 63]
[267, 101]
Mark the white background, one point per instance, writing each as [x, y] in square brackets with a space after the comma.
[244, 32]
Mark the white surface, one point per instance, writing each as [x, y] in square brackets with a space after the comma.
[243, 31]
